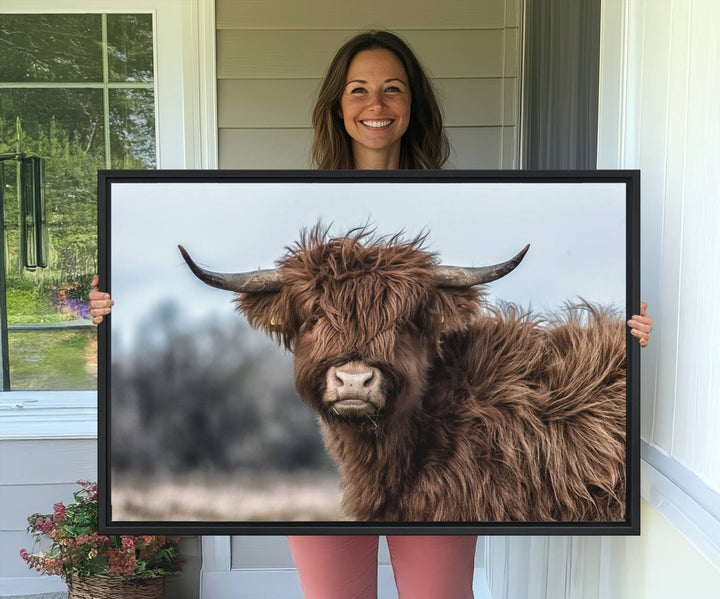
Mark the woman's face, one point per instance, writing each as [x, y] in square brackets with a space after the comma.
[375, 104]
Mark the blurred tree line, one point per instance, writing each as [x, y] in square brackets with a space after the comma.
[218, 397]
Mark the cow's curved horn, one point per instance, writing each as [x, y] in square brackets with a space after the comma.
[258, 281]
[461, 276]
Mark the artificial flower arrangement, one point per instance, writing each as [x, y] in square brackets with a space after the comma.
[78, 552]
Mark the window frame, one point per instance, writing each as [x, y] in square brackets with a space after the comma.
[184, 33]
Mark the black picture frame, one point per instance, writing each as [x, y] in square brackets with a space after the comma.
[625, 185]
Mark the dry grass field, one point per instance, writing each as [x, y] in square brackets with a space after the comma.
[247, 497]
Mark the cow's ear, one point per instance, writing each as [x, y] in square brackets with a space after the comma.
[268, 312]
[457, 307]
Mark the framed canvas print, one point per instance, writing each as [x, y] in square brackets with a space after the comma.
[299, 352]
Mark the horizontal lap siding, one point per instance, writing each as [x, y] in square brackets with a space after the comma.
[331, 14]
[271, 59]
[34, 475]
[252, 54]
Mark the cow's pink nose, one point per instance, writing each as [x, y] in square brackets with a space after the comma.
[353, 379]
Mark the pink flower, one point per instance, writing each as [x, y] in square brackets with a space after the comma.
[121, 562]
[44, 526]
[89, 488]
[59, 509]
[53, 565]
[128, 542]
[24, 554]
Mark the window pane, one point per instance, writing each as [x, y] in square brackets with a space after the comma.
[130, 47]
[53, 360]
[132, 128]
[50, 118]
[50, 48]
[65, 128]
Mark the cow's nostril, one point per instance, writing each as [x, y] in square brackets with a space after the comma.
[370, 380]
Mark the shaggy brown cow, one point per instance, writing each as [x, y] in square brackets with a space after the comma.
[435, 405]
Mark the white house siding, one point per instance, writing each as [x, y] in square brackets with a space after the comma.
[659, 90]
[674, 124]
[668, 125]
[271, 58]
[34, 475]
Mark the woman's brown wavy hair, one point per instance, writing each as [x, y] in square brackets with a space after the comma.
[424, 144]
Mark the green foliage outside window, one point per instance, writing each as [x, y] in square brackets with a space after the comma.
[76, 90]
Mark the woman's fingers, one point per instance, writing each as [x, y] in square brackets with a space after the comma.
[100, 302]
[641, 325]
[642, 335]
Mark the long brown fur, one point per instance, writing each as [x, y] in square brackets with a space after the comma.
[492, 414]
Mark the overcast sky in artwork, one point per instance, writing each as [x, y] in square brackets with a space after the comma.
[576, 232]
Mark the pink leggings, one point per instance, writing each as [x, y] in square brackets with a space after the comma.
[345, 567]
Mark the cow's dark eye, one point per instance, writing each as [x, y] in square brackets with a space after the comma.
[411, 324]
[307, 325]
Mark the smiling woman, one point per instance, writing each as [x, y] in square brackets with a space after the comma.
[363, 118]
[375, 108]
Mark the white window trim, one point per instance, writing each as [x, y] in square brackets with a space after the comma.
[186, 125]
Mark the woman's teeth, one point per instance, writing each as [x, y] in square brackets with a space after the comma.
[376, 124]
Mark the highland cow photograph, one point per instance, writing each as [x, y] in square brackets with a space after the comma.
[308, 351]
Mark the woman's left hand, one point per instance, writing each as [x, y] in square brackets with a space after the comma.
[100, 302]
[641, 325]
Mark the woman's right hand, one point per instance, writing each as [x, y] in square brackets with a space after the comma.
[100, 302]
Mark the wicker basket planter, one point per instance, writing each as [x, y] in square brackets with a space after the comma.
[116, 587]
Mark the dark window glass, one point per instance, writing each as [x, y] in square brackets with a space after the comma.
[37, 48]
[130, 47]
[49, 117]
[132, 128]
